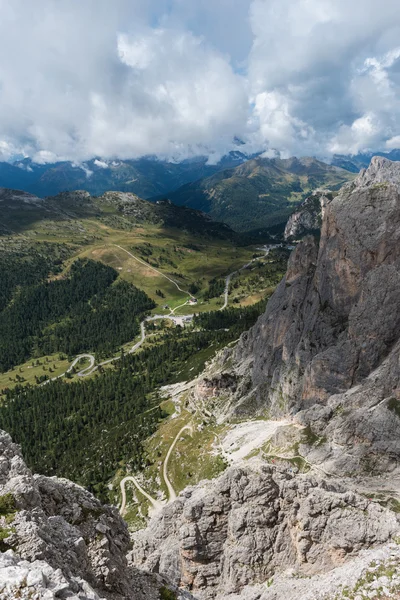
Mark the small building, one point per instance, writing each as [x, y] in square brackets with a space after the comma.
[193, 301]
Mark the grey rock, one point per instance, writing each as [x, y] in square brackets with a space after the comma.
[380, 170]
[327, 347]
[22, 579]
[66, 541]
[307, 218]
[255, 521]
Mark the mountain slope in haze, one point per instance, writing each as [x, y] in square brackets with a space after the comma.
[355, 162]
[259, 193]
[145, 176]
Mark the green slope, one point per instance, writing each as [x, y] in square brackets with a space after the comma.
[259, 193]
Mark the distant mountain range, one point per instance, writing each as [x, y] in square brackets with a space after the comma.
[260, 193]
[145, 177]
[249, 193]
[361, 161]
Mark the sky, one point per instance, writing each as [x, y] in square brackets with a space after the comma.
[176, 78]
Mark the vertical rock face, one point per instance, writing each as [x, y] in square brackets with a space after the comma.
[333, 324]
[335, 316]
[59, 541]
[307, 218]
[255, 520]
[327, 353]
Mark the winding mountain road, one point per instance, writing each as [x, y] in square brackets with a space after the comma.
[85, 372]
[171, 491]
[155, 503]
[178, 320]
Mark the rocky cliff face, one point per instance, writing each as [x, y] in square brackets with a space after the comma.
[326, 355]
[307, 219]
[58, 541]
[253, 522]
[326, 351]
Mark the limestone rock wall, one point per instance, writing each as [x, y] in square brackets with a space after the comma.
[326, 350]
[253, 522]
[58, 541]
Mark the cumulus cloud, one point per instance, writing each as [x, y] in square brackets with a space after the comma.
[94, 79]
[333, 65]
[128, 78]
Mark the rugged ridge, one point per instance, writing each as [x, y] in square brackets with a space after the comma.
[255, 521]
[259, 193]
[58, 541]
[326, 351]
[307, 219]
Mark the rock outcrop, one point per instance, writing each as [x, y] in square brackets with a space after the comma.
[59, 541]
[327, 349]
[307, 219]
[253, 522]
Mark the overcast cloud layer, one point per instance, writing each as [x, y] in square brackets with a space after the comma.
[95, 78]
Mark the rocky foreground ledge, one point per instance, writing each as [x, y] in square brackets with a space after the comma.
[58, 541]
[254, 521]
[258, 532]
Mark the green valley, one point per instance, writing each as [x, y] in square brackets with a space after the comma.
[261, 192]
[104, 300]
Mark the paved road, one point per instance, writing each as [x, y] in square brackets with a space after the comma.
[178, 320]
[226, 291]
[72, 365]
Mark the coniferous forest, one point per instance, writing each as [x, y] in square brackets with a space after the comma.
[85, 430]
[82, 311]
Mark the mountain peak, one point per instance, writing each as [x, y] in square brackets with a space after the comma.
[380, 170]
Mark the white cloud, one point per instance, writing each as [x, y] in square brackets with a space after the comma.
[393, 142]
[83, 79]
[331, 64]
[127, 78]
[100, 163]
[44, 157]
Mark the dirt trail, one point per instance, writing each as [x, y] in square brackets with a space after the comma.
[155, 503]
[139, 260]
[171, 491]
